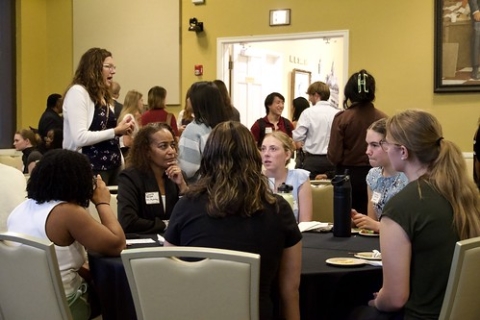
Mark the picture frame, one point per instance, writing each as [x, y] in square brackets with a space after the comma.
[452, 49]
[301, 80]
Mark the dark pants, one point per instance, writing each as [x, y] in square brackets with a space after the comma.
[358, 177]
[317, 164]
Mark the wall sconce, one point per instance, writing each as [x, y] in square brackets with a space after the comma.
[195, 25]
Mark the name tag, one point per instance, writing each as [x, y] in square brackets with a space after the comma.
[152, 198]
[376, 196]
[268, 130]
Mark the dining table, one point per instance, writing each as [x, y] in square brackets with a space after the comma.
[326, 291]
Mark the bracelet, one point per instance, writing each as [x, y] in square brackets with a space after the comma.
[100, 203]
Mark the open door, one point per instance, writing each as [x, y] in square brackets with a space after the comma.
[254, 74]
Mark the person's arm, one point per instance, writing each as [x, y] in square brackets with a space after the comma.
[129, 208]
[69, 222]
[189, 151]
[300, 132]
[305, 204]
[76, 111]
[396, 251]
[289, 281]
[367, 221]
[174, 173]
[255, 130]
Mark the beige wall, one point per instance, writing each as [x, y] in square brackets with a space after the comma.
[393, 41]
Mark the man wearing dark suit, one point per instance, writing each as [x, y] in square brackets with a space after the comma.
[115, 94]
[475, 42]
[51, 118]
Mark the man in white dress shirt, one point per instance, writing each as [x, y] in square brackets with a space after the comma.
[313, 130]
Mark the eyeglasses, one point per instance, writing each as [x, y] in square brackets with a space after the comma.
[110, 67]
[386, 145]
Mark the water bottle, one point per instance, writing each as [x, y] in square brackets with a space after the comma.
[285, 191]
[342, 205]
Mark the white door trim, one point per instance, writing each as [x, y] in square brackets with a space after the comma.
[221, 42]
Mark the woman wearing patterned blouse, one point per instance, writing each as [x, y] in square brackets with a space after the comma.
[382, 180]
[89, 121]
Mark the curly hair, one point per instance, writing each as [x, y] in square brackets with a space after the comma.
[421, 133]
[138, 156]
[89, 74]
[360, 88]
[62, 175]
[231, 173]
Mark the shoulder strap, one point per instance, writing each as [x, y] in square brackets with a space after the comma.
[262, 125]
[288, 127]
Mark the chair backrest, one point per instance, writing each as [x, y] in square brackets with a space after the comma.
[113, 204]
[225, 285]
[322, 199]
[31, 286]
[463, 287]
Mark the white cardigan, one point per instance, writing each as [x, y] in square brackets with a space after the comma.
[78, 111]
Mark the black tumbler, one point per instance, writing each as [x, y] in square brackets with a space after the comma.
[342, 205]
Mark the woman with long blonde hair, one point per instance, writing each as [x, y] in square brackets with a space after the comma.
[132, 109]
[421, 224]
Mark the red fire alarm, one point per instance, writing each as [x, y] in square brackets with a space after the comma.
[198, 70]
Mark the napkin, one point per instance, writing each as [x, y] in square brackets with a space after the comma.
[311, 225]
[374, 263]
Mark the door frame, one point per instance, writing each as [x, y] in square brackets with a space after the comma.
[223, 43]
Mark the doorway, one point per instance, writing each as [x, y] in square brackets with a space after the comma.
[254, 66]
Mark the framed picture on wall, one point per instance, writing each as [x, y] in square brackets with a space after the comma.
[456, 61]
[301, 79]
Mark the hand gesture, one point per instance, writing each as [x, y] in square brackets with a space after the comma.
[101, 192]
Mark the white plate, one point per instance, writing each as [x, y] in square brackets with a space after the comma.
[367, 256]
[368, 233]
[355, 230]
[345, 262]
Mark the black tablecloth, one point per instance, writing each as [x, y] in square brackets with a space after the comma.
[326, 292]
[329, 292]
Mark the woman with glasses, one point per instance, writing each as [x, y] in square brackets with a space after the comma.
[346, 148]
[90, 125]
[232, 207]
[59, 191]
[383, 180]
[152, 182]
[421, 224]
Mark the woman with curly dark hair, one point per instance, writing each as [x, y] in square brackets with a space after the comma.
[90, 125]
[232, 207]
[59, 190]
[149, 187]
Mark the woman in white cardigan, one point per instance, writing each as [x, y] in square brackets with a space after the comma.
[90, 125]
